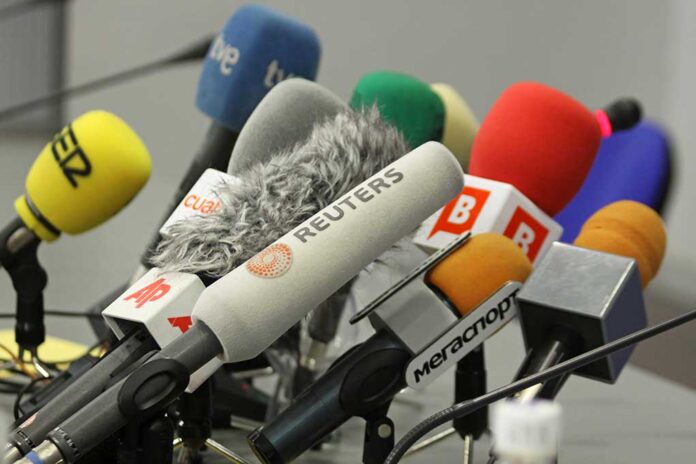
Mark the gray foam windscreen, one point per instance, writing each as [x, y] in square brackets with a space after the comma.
[284, 118]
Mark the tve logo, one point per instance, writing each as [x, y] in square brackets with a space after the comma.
[182, 323]
[460, 214]
[275, 74]
[152, 292]
[225, 54]
[528, 233]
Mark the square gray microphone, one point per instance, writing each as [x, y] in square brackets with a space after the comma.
[594, 294]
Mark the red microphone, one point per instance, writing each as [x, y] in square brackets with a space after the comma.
[540, 140]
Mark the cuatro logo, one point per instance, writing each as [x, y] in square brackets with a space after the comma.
[272, 262]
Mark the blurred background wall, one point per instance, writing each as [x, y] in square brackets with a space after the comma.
[595, 50]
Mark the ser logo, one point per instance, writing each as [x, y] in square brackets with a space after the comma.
[151, 292]
[70, 157]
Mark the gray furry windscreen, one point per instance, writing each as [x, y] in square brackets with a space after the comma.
[275, 197]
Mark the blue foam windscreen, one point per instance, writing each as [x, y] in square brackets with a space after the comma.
[257, 48]
[631, 165]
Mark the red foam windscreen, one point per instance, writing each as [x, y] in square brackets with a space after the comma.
[540, 140]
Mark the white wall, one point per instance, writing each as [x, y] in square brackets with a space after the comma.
[595, 50]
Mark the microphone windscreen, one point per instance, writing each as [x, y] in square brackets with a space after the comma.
[643, 153]
[90, 170]
[256, 49]
[256, 303]
[460, 123]
[477, 269]
[404, 101]
[273, 197]
[629, 229]
[538, 139]
[285, 117]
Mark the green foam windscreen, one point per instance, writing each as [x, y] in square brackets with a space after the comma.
[404, 101]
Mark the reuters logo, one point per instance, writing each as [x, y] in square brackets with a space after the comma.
[272, 262]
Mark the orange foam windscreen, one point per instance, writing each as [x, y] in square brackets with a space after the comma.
[540, 140]
[477, 269]
[630, 229]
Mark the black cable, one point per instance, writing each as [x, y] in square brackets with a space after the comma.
[467, 407]
[58, 313]
[195, 51]
[17, 408]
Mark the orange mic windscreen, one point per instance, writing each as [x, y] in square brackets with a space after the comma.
[540, 140]
[630, 229]
[477, 269]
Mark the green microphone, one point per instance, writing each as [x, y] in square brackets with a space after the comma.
[422, 112]
[405, 102]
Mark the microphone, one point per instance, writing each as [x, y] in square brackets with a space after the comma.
[404, 101]
[618, 252]
[514, 189]
[284, 117]
[281, 193]
[461, 124]
[420, 111]
[533, 128]
[621, 115]
[256, 49]
[193, 52]
[91, 170]
[241, 314]
[644, 153]
[407, 318]
[486, 205]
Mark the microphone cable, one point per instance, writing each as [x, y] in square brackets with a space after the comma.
[193, 52]
[467, 407]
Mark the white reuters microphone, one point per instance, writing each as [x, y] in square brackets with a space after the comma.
[277, 287]
[241, 314]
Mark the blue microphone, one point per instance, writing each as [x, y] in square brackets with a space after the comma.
[257, 48]
[631, 165]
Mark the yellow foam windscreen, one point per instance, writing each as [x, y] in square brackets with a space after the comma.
[477, 269]
[460, 123]
[630, 229]
[85, 175]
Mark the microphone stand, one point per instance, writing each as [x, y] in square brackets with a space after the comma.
[192, 414]
[29, 279]
[469, 383]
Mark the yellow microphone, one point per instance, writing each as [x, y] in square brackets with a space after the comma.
[460, 124]
[89, 171]
[86, 174]
[473, 272]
